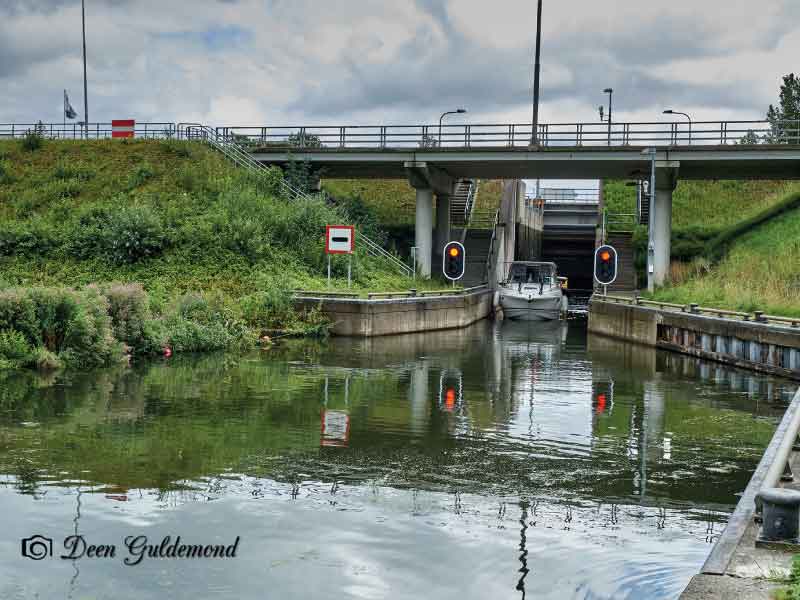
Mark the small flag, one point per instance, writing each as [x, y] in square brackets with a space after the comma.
[69, 112]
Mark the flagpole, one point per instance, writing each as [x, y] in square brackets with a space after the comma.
[85, 87]
[64, 113]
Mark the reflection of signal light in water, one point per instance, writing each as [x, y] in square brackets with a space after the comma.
[601, 403]
[449, 399]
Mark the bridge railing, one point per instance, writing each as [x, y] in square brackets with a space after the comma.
[74, 131]
[516, 135]
[566, 195]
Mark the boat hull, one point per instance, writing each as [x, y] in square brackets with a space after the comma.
[531, 308]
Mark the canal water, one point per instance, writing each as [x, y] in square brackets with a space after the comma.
[500, 461]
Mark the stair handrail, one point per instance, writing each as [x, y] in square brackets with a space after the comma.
[493, 239]
[472, 195]
[232, 150]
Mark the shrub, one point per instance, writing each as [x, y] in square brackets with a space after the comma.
[27, 238]
[140, 175]
[6, 178]
[271, 308]
[73, 326]
[66, 170]
[14, 348]
[177, 148]
[33, 140]
[129, 312]
[127, 235]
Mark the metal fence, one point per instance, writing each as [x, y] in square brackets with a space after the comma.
[74, 131]
[566, 195]
[431, 137]
[518, 135]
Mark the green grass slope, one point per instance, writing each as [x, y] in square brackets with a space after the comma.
[393, 201]
[712, 205]
[175, 217]
[759, 271]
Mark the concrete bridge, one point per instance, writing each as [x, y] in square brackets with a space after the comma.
[433, 160]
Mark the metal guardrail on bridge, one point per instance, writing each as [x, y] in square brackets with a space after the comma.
[427, 137]
[516, 135]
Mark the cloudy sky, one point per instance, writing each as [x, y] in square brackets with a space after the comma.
[262, 62]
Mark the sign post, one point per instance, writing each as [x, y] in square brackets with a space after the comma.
[340, 239]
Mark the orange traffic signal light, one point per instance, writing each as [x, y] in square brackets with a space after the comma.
[605, 265]
[453, 264]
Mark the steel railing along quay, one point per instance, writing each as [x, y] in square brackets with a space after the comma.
[754, 317]
[515, 135]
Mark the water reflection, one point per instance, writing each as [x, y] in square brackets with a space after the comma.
[500, 460]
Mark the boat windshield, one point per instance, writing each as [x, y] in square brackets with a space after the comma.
[521, 273]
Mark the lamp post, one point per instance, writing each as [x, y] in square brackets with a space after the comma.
[610, 92]
[651, 248]
[669, 111]
[85, 87]
[536, 69]
[458, 111]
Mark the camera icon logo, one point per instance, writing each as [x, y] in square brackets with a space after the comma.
[37, 547]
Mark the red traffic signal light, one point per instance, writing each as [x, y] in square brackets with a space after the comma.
[453, 263]
[605, 265]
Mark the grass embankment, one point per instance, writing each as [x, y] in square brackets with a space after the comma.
[217, 252]
[734, 244]
[393, 201]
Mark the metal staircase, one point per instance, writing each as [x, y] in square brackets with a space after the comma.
[462, 201]
[240, 157]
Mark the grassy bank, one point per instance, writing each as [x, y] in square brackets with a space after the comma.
[734, 244]
[393, 201]
[212, 248]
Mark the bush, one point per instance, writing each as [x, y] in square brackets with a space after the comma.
[177, 148]
[6, 178]
[129, 312]
[27, 238]
[66, 170]
[73, 326]
[270, 308]
[33, 140]
[140, 175]
[15, 351]
[127, 235]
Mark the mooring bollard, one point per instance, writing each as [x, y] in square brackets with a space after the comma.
[693, 308]
[780, 515]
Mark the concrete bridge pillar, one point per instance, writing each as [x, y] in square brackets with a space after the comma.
[666, 181]
[426, 180]
[442, 224]
[423, 231]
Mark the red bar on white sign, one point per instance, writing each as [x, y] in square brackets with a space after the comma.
[123, 128]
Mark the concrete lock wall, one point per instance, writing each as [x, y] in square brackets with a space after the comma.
[758, 346]
[366, 318]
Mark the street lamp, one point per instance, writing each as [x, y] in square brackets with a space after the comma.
[651, 248]
[610, 93]
[669, 111]
[85, 92]
[536, 69]
[458, 111]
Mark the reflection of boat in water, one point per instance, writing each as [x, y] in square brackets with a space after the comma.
[532, 292]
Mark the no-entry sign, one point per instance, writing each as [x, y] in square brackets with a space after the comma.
[339, 239]
[123, 128]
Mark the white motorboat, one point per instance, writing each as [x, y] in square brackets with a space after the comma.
[532, 291]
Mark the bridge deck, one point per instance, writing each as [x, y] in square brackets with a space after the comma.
[779, 161]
